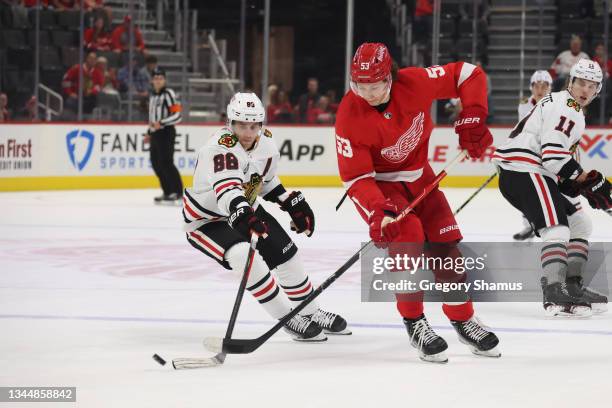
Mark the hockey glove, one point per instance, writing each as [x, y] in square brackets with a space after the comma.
[474, 135]
[302, 217]
[570, 188]
[383, 229]
[596, 189]
[244, 221]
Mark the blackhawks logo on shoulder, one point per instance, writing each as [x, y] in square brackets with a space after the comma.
[573, 104]
[267, 132]
[228, 140]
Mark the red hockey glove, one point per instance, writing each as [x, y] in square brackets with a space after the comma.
[244, 221]
[596, 189]
[302, 217]
[382, 227]
[474, 135]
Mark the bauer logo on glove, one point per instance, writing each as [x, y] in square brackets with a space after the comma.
[302, 217]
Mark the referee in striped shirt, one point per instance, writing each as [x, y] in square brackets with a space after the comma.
[164, 113]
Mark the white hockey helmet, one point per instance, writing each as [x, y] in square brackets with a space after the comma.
[541, 75]
[589, 70]
[246, 107]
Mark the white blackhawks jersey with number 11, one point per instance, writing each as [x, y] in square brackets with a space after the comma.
[543, 141]
[225, 170]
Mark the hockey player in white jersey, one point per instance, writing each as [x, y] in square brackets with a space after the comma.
[536, 167]
[235, 168]
[540, 85]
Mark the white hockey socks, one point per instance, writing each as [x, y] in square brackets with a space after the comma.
[296, 284]
[260, 283]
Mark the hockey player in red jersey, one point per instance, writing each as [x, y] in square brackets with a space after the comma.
[383, 127]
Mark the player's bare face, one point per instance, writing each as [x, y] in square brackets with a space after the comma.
[247, 132]
[583, 91]
[374, 93]
[540, 90]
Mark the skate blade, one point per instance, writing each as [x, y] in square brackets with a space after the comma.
[439, 358]
[319, 338]
[574, 312]
[345, 332]
[599, 308]
[494, 352]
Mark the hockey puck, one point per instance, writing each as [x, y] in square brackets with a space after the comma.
[160, 360]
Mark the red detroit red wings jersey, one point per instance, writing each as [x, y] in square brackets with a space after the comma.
[392, 145]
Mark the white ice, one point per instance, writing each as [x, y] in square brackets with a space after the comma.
[92, 283]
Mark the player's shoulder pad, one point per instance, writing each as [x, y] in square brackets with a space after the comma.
[266, 132]
[524, 100]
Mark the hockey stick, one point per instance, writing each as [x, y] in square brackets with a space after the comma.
[486, 183]
[341, 200]
[184, 363]
[244, 346]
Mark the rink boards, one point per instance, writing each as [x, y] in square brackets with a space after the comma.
[81, 156]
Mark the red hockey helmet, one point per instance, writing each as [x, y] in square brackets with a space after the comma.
[371, 63]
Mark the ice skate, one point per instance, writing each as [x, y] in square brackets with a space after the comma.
[331, 323]
[480, 341]
[301, 328]
[431, 347]
[599, 302]
[558, 302]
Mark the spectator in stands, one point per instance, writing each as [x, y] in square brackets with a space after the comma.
[140, 85]
[5, 114]
[279, 109]
[120, 37]
[561, 66]
[139, 81]
[333, 100]
[93, 81]
[28, 112]
[97, 38]
[308, 100]
[321, 112]
[110, 84]
[599, 58]
[147, 70]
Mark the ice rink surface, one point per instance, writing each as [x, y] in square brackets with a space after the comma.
[92, 283]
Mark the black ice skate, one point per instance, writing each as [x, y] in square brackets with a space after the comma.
[331, 323]
[301, 328]
[431, 347]
[480, 341]
[599, 302]
[558, 302]
[524, 234]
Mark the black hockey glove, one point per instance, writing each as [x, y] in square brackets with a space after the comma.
[596, 189]
[300, 212]
[244, 221]
[570, 188]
